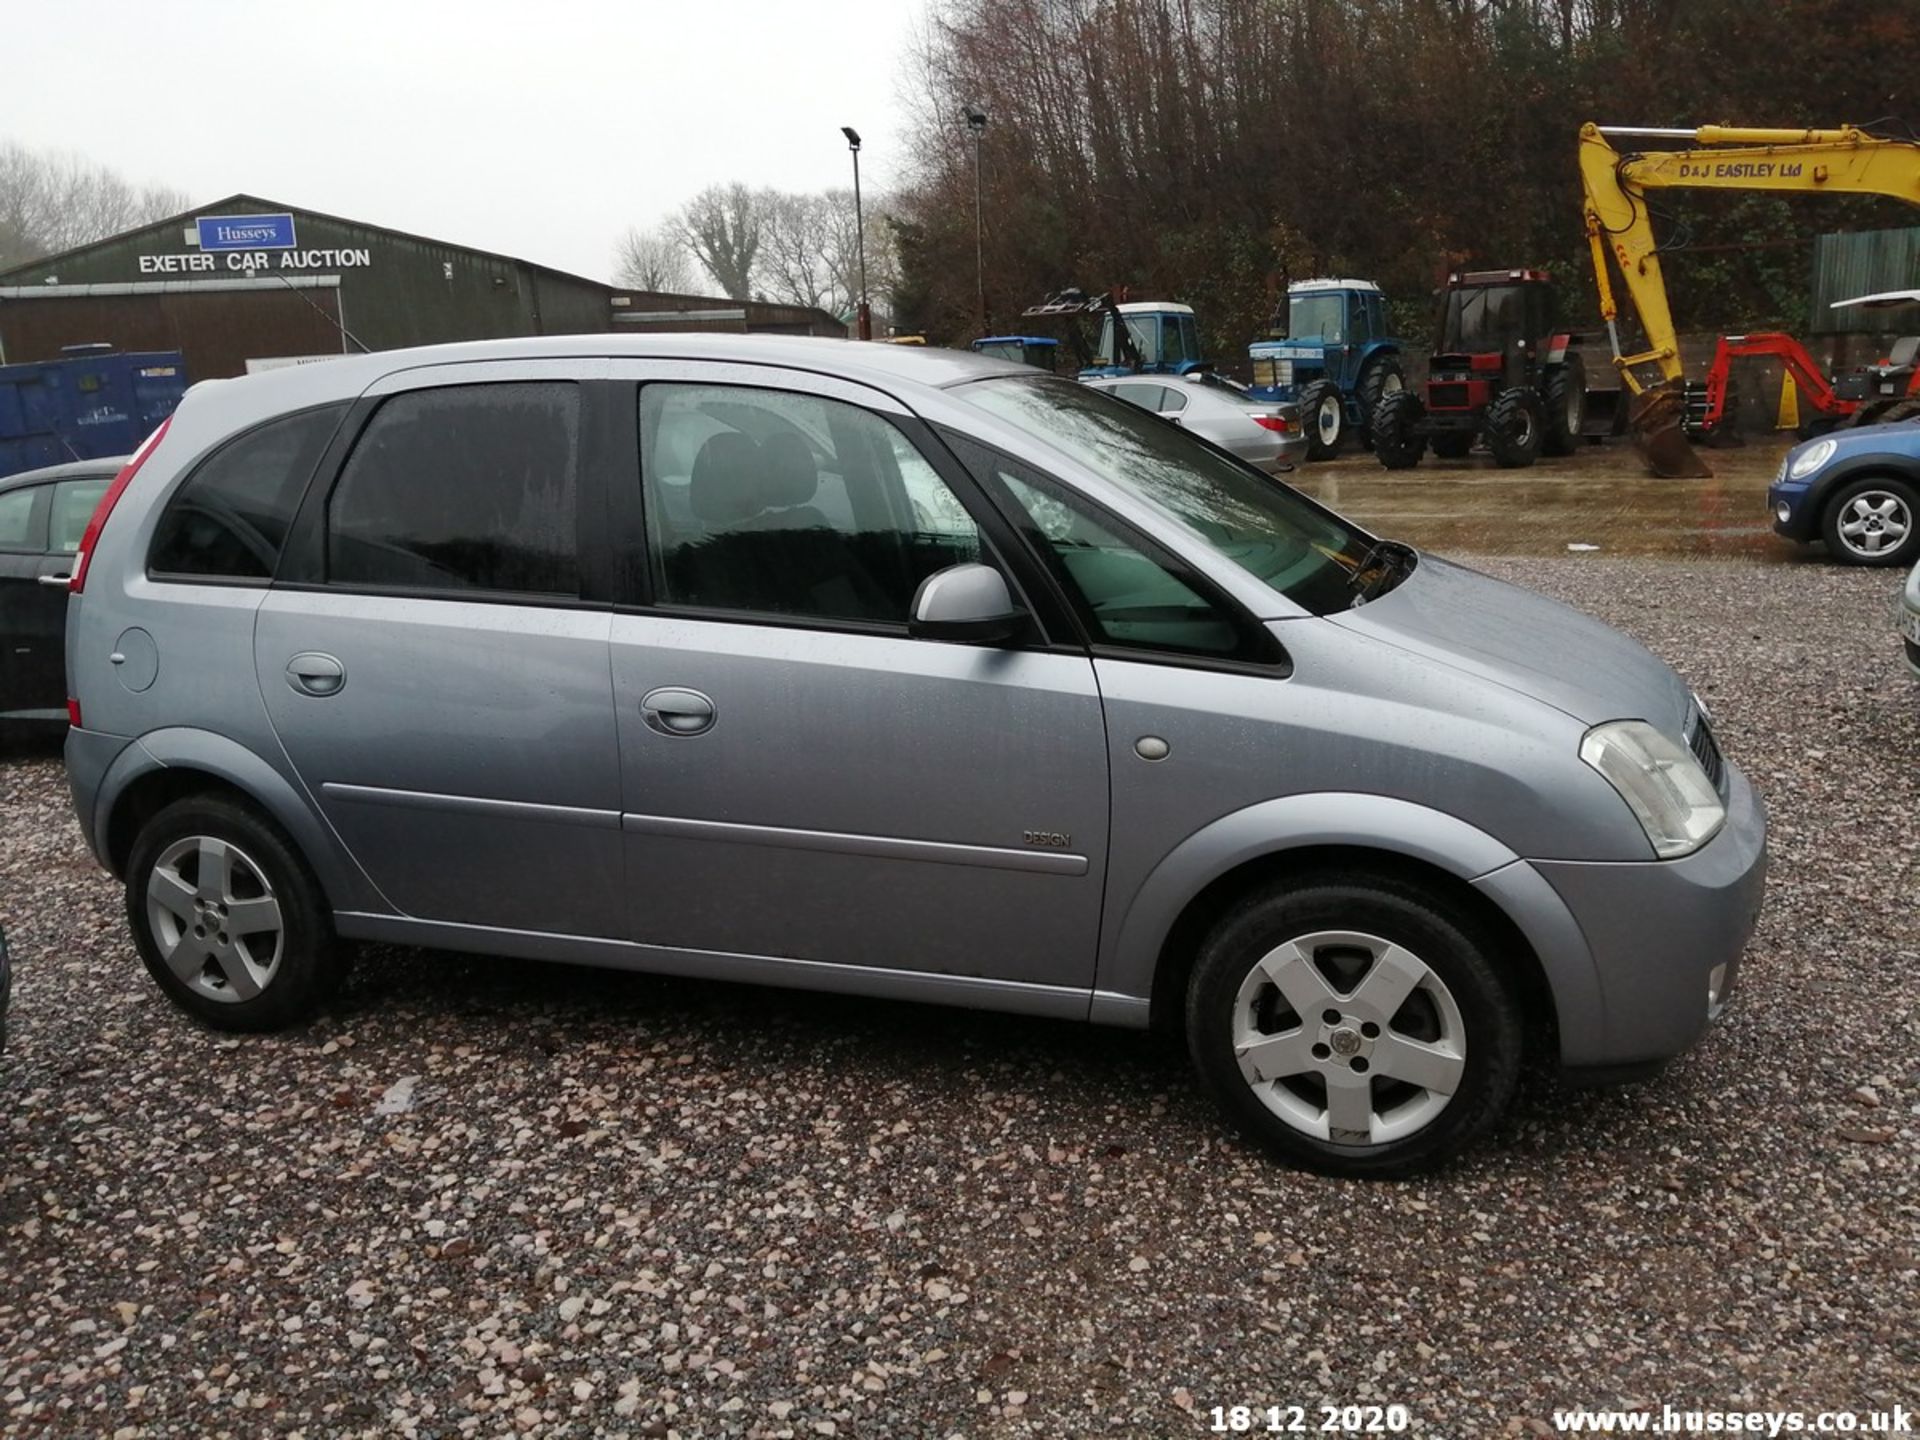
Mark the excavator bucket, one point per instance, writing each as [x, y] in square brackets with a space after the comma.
[1657, 421]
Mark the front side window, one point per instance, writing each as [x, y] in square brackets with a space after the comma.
[776, 503]
[230, 519]
[1272, 532]
[74, 502]
[469, 487]
[1126, 597]
[16, 518]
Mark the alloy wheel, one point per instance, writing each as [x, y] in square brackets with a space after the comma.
[214, 918]
[1349, 1038]
[1874, 522]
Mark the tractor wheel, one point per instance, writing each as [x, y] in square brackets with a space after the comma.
[1514, 427]
[1383, 377]
[1323, 410]
[1566, 397]
[1395, 425]
[1453, 444]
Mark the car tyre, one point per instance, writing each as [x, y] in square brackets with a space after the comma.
[1874, 520]
[228, 918]
[1344, 945]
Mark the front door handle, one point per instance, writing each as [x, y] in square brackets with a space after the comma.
[315, 674]
[672, 710]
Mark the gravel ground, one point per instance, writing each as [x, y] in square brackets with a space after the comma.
[487, 1198]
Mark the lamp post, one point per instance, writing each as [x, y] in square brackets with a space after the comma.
[977, 124]
[863, 321]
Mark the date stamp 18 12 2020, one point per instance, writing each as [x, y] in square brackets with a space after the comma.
[1310, 1419]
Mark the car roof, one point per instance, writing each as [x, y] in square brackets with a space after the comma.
[235, 403]
[107, 466]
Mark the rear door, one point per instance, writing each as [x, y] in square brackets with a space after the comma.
[30, 613]
[434, 656]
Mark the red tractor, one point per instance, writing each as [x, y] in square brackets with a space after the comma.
[1499, 372]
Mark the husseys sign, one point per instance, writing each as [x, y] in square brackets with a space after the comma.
[242, 244]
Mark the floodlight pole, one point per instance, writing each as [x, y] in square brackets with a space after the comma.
[864, 315]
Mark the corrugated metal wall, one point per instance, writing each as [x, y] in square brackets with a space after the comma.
[1864, 262]
[217, 333]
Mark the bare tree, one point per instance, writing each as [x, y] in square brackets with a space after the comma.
[52, 201]
[800, 251]
[810, 254]
[651, 260]
[723, 227]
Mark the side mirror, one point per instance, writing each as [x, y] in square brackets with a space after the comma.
[968, 603]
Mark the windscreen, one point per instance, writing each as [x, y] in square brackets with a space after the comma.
[1315, 317]
[1272, 532]
[1483, 319]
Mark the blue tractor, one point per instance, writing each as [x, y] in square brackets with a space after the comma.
[1334, 360]
[1149, 337]
[1036, 350]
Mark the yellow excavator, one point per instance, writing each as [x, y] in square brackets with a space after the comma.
[1848, 160]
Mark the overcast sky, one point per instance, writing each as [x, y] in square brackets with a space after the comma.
[539, 128]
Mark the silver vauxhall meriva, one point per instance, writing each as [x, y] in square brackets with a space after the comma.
[905, 673]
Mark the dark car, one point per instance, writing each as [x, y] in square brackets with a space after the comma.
[1858, 490]
[43, 515]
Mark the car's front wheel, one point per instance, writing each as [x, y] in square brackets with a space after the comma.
[1873, 521]
[1356, 1025]
[227, 917]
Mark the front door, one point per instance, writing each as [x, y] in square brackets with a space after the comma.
[444, 691]
[801, 778]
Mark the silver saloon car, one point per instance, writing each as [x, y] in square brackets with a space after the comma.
[905, 673]
[1265, 435]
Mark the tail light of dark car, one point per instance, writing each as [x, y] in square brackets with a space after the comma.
[83, 557]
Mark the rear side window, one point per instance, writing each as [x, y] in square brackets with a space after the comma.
[470, 487]
[17, 530]
[230, 519]
[74, 502]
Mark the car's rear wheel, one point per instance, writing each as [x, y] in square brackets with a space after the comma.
[227, 918]
[1873, 521]
[1357, 1026]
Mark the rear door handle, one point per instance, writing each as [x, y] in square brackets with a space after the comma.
[672, 710]
[58, 582]
[312, 673]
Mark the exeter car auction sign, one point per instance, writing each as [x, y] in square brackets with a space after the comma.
[246, 232]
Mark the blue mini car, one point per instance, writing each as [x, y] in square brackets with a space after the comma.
[1858, 490]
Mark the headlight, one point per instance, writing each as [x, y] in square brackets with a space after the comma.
[1811, 459]
[1661, 782]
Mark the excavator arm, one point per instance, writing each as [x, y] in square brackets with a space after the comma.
[1717, 157]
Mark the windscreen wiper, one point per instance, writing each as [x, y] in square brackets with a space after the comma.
[1386, 564]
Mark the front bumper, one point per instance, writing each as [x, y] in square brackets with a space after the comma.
[1802, 520]
[1631, 949]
